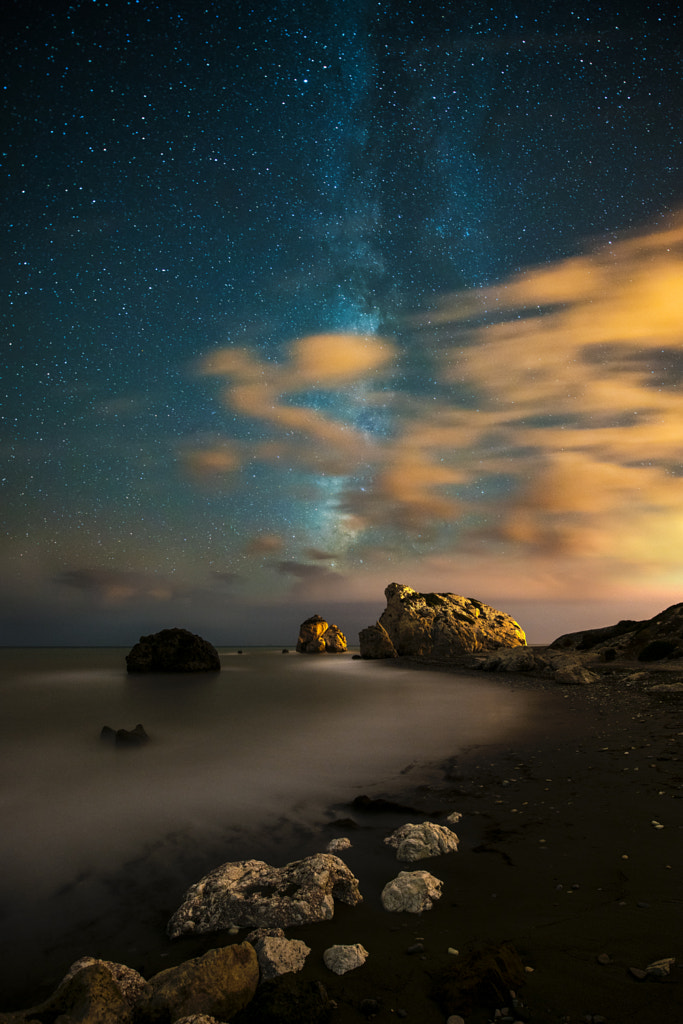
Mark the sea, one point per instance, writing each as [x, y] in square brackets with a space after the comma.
[99, 842]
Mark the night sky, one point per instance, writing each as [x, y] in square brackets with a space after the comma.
[302, 298]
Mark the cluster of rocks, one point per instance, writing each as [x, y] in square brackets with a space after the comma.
[437, 627]
[317, 636]
[243, 894]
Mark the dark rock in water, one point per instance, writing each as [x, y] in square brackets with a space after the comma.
[287, 1000]
[376, 643]
[657, 639]
[219, 984]
[253, 894]
[125, 737]
[173, 650]
[439, 627]
[316, 636]
[89, 995]
[285, 651]
[480, 980]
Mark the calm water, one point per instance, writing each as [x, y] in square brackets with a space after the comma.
[271, 736]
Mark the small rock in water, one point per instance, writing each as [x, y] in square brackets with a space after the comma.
[604, 958]
[335, 845]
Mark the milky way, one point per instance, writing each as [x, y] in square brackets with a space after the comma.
[301, 298]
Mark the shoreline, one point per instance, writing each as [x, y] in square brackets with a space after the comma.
[558, 855]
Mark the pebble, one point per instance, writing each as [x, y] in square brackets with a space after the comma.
[455, 1019]
[417, 947]
[604, 958]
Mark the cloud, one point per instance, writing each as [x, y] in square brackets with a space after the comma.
[116, 586]
[546, 447]
[265, 544]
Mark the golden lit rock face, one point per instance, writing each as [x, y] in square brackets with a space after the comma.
[438, 627]
[316, 636]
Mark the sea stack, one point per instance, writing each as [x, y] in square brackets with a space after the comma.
[437, 627]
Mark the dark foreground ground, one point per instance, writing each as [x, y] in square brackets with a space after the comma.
[571, 848]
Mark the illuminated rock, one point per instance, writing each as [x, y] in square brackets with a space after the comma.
[316, 636]
[415, 842]
[173, 650]
[411, 892]
[253, 894]
[442, 627]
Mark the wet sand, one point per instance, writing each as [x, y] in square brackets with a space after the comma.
[560, 854]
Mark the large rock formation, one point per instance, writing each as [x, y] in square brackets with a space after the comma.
[316, 636]
[439, 627]
[657, 639]
[173, 650]
[253, 894]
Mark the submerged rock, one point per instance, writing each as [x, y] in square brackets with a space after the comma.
[439, 627]
[217, 984]
[173, 650]
[136, 737]
[316, 636]
[253, 894]
[416, 842]
[412, 892]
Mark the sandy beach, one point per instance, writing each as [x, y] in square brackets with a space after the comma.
[570, 849]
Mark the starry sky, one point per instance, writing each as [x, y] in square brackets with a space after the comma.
[303, 297]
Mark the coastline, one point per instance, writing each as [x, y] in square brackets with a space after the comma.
[558, 855]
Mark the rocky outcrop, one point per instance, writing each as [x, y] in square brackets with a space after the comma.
[375, 643]
[657, 639]
[441, 627]
[173, 650]
[564, 669]
[416, 842]
[277, 954]
[219, 984]
[342, 959]
[412, 892]
[316, 636]
[253, 894]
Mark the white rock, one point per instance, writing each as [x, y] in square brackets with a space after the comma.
[276, 954]
[415, 842]
[342, 959]
[411, 891]
[454, 817]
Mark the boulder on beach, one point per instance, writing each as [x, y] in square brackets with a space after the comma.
[438, 627]
[218, 984]
[416, 842]
[173, 650]
[89, 994]
[342, 959]
[317, 636]
[277, 954]
[411, 892]
[253, 894]
[657, 639]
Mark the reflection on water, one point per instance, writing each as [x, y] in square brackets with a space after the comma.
[270, 735]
